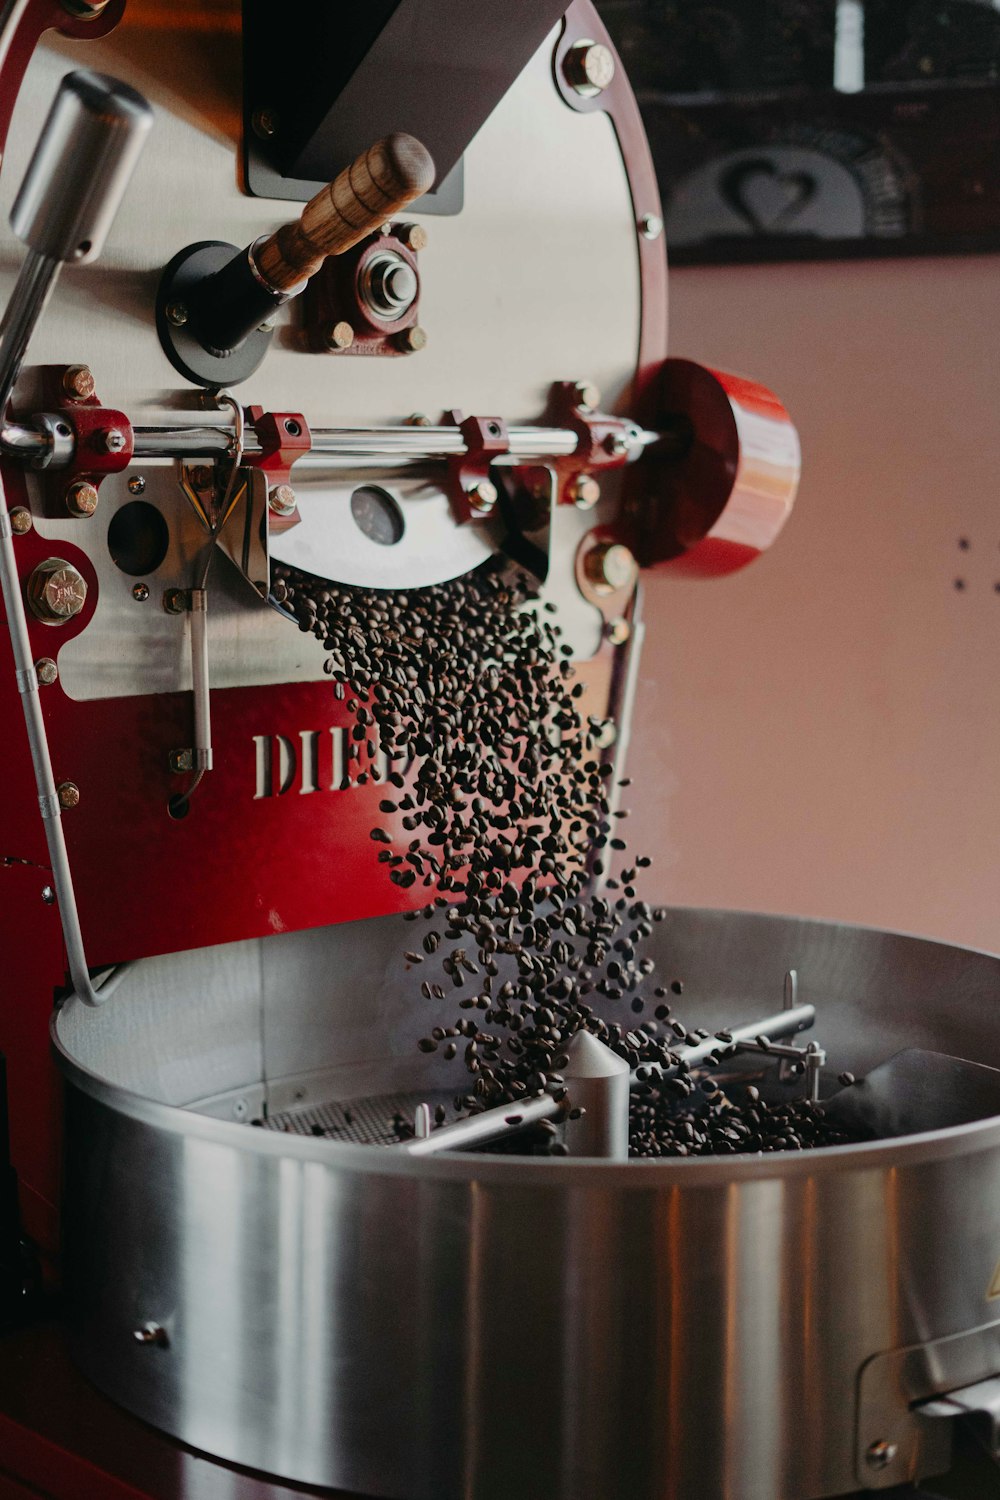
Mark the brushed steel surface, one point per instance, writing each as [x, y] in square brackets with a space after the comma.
[535, 281]
[467, 1328]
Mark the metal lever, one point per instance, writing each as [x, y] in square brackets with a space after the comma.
[72, 189]
[71, 192]
[215, 302]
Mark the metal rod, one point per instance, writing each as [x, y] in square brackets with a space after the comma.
[31, 292]
[331, 446]
[477, 1129]
[48, 797]
[783, 1023]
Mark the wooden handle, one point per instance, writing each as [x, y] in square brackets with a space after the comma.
[383, 180]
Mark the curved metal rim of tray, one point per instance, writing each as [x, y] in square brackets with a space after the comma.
[911, 1150]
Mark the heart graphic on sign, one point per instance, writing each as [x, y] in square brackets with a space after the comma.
[769, 199]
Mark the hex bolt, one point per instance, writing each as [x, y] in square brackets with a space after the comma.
[585, 492]
[55, 591]
[140, 592]
[413, 236]
[651, 226]
[46, 671]
[611, 568]
[78, 382]
[618, 631]
[69, 794]
[180, 761]
[202, 477]
[136, 484]
[152, 1333]
[281, 500]
[411, 340]
[177, 314]
[20, 520]
[881, 1454]
[615, 443]
[587, 395]
[82, 498]
[264, 122]
[482, 496]
[339, 336]
[113, 441]
[589, 67]
[418, 419]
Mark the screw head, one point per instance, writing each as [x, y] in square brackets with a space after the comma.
[177, 314]
[48, 895]
[651, 226]
[20, 520]
[611, 568]
[410, 340]
[482, 496]
[46, 671]
[418, 419]
[113, 441]
[585, 492]
[881, 1454]
[339, 336]
[264, 122]
[152, 1333]
[69, 794]
[81, 498]
[589, 66]
[281, 500]
[140, 592]
[616, 444]
[78, 382]
[56, 591]
[587, 395]
[618, 631]
[136, 484]
[202, 477]
[413, 236]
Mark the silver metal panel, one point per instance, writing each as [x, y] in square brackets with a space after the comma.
[469, 1328]
[546, 246]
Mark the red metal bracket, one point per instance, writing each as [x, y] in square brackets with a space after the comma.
[284, 437]
[35, 18]
[473, 493]
[102, 438]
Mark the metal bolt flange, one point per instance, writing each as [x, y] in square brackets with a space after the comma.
[410, 340]
[82, 498]
[585, 492]
[611, 568]
[69, 794]
[881, 1454]
[589, 67]
[78, 383]
[587, 395]
[339, 336]
[20, 520]
[281, 500]
[413, 236]
[482, 496]
[56, 591]
[46, 671]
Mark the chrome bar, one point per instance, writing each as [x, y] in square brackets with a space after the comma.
[475, 1130]
[783, 1023]
[332, 446]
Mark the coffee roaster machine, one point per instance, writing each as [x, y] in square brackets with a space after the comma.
[235, 312]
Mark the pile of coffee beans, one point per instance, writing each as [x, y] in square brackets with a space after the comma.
[501, 803]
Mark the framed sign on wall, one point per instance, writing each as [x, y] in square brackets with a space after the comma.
[794, 129]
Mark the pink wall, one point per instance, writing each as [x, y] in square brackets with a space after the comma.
[820, 734]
